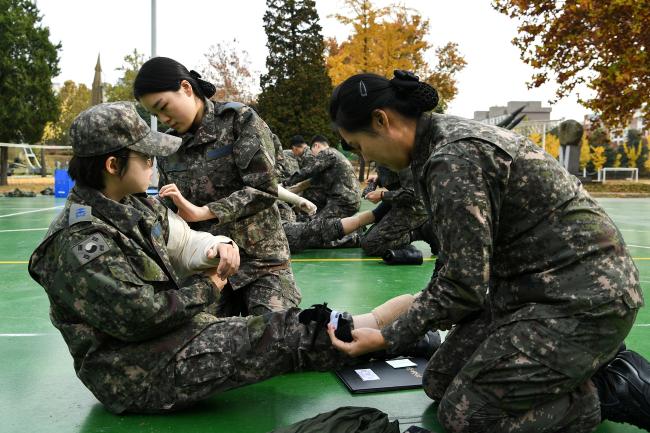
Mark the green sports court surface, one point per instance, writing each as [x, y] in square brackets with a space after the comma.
[39, 391]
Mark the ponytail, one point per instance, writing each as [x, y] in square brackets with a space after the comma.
[161, 74]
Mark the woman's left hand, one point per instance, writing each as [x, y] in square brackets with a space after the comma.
[364, 340]
[186, 210]
[307, 207]
[375, 196]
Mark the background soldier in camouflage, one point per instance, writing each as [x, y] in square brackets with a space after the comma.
[536, 279]
[285, 163]
[223, 181]
[400, 217]
[332, 173]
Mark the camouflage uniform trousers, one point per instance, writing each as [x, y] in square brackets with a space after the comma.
[273, 291]
[316, 233]
[237, 351]
[311, 233]
[397, 229]
[525, 376]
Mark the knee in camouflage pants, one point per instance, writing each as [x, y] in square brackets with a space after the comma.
[525, 376]
[237, 351]
[274, 291]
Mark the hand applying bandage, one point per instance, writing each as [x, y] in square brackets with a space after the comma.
[192, 251]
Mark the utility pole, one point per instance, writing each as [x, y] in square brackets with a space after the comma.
[154, 119]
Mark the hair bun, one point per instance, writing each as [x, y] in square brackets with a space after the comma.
[421, 95]
[404, 80]
[195, 74]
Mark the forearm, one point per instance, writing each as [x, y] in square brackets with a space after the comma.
[188, 248]
[241, 204]
[357, 221]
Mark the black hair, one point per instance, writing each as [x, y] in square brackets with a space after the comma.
[160, 74]
[320, 139]
[89, 170]
[354, 100]
[297, 141]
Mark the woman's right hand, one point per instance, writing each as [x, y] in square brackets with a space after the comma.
[186, 210]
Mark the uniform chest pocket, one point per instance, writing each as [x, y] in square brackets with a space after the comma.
[221, 169]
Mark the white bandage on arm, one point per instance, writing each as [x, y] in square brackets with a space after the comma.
[294, 199]
[286, 195]
[188, 248]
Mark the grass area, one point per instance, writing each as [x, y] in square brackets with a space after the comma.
[619, 188]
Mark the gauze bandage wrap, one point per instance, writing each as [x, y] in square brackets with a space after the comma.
[188, 248]
[294, 199]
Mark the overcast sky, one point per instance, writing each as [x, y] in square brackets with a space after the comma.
[187, 28]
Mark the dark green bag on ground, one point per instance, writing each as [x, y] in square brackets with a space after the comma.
[347, 419]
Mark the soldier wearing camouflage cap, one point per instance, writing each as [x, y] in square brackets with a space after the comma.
[223, 181]
[535, 282]
[138, 332]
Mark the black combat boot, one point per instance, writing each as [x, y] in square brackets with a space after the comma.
[322, 316]
[408, 255]
[624, 389]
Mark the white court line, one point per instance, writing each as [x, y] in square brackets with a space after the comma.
[23, 335]
[30, 211]
[24, 230]
[643, 325]
[635, 231]
[638, 246]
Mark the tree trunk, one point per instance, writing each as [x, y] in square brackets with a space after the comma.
[4, 159]
[43, 168]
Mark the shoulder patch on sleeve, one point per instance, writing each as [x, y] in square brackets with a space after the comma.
[235, 106]
[79, 213]
[90, 248]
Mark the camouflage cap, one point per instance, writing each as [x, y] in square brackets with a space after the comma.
[105, 128]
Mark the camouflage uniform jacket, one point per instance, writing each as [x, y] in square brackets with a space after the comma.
[114, 295]
[228, 165]
[401, 190]
[519, 233]
[331, 172]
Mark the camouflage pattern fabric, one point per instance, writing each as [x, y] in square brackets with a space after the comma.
[140, 339]
[285, 163]
[312, 233]
[563, 289]
[228, 165]
[399, 227]
[105, 128]
[332, 173]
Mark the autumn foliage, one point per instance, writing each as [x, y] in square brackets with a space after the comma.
[604, 44]
[389, 38]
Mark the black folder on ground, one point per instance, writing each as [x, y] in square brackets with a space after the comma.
[378, 375]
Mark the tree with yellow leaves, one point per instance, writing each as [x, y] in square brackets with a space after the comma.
[585, 155]
[632, 153]
[598, 157]
[553, 145]
[72, 98]
[385, 39]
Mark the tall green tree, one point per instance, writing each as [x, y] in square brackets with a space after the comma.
[28, 62]
[296, 88]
